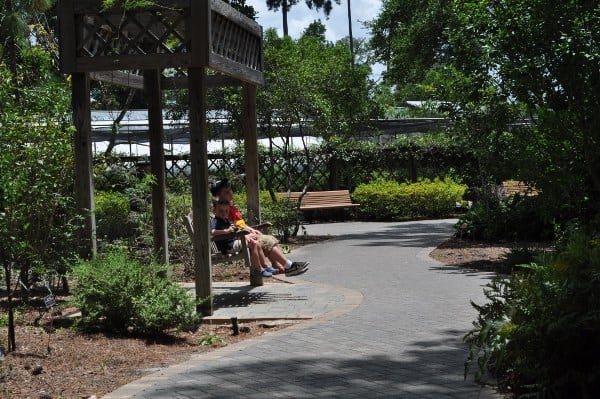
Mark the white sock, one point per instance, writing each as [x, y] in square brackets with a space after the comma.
[288, 264]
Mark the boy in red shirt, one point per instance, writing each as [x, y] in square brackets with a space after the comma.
[222, 225]
[268, 244]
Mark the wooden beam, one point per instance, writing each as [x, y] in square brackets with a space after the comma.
[66, 31]
[200, 33]
[234, 15]
[235, 69]
[120, 78]
[82, 144]
[123, 62]
[200, 205]
[95, 6]
[134, 81]
[157, 164]
[251, 161]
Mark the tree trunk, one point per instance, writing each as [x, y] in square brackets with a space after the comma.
[115, 126]
[350, 32]
[284, 9]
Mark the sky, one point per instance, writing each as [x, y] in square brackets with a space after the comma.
[300, 16]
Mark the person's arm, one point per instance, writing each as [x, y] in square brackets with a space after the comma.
[218, 232]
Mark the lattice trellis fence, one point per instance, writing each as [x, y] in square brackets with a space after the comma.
[299, 167]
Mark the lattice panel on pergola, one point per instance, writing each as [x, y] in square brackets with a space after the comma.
[168, 34]
[133, 33]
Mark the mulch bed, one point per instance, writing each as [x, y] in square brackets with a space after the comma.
[480, 255]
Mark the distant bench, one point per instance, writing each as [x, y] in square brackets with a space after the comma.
[318, 200]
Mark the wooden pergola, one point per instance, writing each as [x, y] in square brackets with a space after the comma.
[169, 45]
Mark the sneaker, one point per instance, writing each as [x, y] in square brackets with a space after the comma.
[272, 270]
[263, 273]
[296, 268]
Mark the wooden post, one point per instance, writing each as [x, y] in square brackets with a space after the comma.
[199, 164]
[82, 145]
[157, 164]
[251, 153]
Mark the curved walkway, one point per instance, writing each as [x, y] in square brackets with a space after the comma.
[403, 340]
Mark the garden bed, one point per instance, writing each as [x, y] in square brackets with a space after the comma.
[483, 255]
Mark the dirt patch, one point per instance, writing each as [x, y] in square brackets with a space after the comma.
[467, 253]
[481, 255]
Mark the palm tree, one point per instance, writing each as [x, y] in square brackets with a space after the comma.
[285, 5]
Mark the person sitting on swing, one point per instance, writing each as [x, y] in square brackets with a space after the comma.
[267, 243]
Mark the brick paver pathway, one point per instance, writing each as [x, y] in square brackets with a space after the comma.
[402, 341]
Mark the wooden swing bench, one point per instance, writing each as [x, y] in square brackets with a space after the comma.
[217, 256]
[321, 200]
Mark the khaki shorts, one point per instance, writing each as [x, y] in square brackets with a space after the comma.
[266, 242]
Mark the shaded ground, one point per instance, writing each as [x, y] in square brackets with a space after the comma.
[403, 339]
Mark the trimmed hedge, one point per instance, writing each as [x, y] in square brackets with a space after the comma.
[390, 200]
[112, 215]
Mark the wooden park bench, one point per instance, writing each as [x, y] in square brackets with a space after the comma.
[321, 200]
[217, 257]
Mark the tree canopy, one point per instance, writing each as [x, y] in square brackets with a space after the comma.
[409, 37]
[539, 61]
[310, 80]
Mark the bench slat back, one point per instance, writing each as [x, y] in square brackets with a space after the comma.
[188, 222]
[320, 198]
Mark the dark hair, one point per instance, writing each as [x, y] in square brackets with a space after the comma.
[216, 188]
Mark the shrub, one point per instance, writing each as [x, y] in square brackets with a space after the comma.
[513, 218]
[284, 216]
[180, 243]
[539, 329]
[519, 256]
[389, 200]
[116, 293]
[112, 213]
